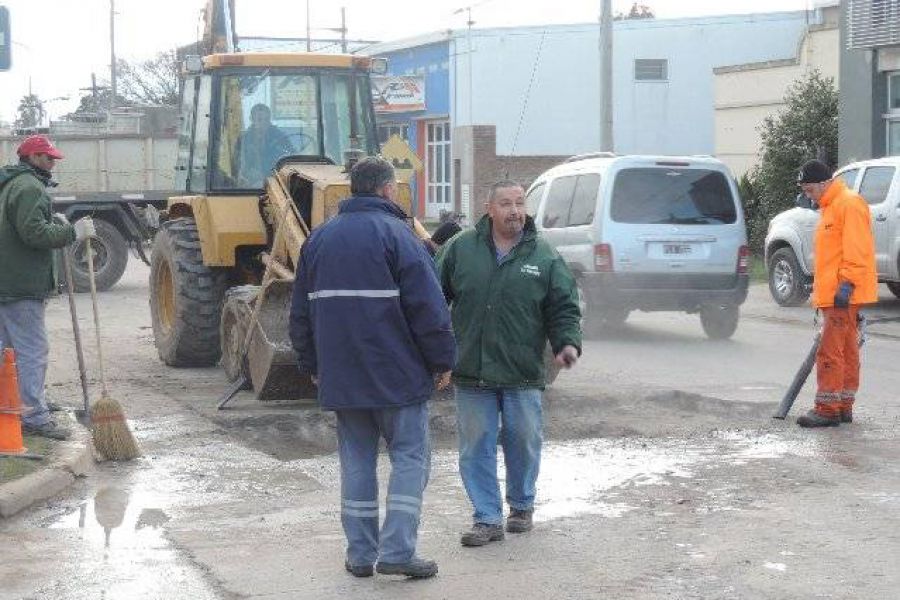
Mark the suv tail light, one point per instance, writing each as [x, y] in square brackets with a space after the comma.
[743, 262]
[603, 260]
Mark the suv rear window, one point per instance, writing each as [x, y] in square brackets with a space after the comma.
[672, 196]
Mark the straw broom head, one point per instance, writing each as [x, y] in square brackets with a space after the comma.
[112, 437]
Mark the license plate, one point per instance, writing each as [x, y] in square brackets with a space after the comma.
[679, 249]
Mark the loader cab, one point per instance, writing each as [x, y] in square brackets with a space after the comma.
[243, 113]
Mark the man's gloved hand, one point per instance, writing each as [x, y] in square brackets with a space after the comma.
[842, 297]
[84, 229]
[60, 219]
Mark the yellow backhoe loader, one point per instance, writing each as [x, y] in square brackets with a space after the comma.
[265, 144]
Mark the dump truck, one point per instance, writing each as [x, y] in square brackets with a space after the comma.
[265, 145]
[122, 180]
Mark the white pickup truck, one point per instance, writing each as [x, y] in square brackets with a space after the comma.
[789, 241]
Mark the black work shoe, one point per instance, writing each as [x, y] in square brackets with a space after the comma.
[48, 430]
[419, 568]
[359, 571]
[814, 419]
[54, 407]
[519, 521]
[481, 534]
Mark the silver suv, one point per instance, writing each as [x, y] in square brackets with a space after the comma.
[789, 241]
[651, 233]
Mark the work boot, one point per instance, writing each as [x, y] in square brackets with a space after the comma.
[48, 430]
[359, 570]
[519, 521]
[846, 414]
[482, 534]
[417, 568]
[815, 419]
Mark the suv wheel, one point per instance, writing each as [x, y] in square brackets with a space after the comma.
[894, 286]
[787, 282]
[720, 322]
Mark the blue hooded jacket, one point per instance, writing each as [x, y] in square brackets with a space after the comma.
[368, 317]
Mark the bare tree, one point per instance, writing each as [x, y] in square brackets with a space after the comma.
[30, 113]
[153, 81]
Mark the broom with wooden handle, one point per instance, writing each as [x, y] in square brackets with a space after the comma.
[112, 437]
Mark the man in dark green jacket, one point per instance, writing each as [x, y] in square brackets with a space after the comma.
[510, 292]
[28, 235]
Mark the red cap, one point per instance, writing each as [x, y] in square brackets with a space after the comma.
[38, 144]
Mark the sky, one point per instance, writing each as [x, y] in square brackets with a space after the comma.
[57, 44]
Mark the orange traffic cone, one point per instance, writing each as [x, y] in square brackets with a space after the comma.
[10, 407]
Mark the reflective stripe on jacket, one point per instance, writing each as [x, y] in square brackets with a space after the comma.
[844, 248]
[368, 317]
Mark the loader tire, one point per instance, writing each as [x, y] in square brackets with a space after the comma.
[237, 311]
[185, 297]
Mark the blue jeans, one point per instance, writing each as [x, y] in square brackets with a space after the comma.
[405, 430]
[22, 329]
[479, 413]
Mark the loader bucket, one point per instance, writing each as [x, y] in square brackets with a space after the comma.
[272, 360]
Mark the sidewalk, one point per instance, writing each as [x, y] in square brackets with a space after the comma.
[65, 461]
[883, 318]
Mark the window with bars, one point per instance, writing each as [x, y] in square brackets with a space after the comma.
[437, 164]
[388, 129]
[651, 69]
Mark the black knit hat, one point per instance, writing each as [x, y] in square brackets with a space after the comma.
[814, 171]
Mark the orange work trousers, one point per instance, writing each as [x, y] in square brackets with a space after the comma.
[837, 361]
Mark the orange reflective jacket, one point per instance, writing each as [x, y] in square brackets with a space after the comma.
[844, 248]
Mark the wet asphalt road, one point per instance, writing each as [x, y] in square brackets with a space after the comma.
[663, 477]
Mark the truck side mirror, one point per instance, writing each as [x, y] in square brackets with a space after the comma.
[803, 201]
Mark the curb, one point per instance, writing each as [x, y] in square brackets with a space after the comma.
[74, 458]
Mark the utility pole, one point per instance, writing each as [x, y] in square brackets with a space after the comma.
[112, 54]
[606, 81]
[308, 30]
[469, 23]
[344, 29]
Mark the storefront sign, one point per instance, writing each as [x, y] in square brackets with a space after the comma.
[395, 94]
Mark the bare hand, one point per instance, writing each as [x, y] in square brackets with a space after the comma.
[442, 380]
[315, 380]
[567, 357]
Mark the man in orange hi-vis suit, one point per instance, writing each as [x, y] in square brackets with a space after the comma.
[844, 278]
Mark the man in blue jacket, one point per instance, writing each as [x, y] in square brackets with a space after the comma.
[371, 327]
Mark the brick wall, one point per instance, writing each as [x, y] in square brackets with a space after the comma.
[475, 148]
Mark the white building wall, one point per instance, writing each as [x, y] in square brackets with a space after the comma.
[746, 94]
[560, 114]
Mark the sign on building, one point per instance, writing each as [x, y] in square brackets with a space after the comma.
[395, 94]
[5, 42]
[405, 161]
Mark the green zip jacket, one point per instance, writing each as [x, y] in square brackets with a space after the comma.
[28, 235]
[503, 314]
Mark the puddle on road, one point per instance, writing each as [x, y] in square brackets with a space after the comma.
[123, 552]
[588, 476]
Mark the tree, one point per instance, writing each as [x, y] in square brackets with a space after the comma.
[30, 113]
[807, 127]
[92, 106]
[638, 11]
[153, 81]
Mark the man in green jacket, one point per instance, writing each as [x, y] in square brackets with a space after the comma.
[28, 235]
[510, 292]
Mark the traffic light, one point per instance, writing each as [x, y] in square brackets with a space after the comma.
[5, 42]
